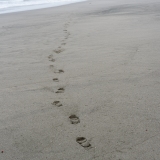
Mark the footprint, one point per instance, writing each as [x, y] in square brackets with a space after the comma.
[50, 57]
[74, 119]
[51, 67]
[59, 50]
[66, 25]
[60, 90]
[57, 103]
[63, 43]
[55, 79]
[83, 142]
[59, 71]
[52, 60]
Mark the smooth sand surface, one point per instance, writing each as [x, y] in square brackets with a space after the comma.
[104, 57]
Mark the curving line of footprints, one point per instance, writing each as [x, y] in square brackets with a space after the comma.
[73, 118]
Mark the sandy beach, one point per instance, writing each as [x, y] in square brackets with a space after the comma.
[81, 82]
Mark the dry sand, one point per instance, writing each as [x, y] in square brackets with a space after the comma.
[110, 54]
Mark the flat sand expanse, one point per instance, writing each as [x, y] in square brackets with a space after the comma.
[101, 60]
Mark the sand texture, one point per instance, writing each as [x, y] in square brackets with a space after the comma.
[81, 82]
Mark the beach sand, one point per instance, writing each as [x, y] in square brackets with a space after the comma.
[98, 61]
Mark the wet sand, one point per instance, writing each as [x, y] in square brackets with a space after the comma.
[81, 82]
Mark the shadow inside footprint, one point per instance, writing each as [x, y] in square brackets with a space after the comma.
[57, 103]
[55, 79]
[60, 90]
[83, 142]
[59, 71]
[74, 119]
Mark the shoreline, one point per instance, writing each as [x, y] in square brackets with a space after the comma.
[17, 9]
[80, 81]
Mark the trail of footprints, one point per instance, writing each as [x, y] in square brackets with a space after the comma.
[74, 119]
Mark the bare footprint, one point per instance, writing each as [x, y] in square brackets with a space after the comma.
[74, 119]
[57, 103]
[60, 90]
[83, 142]
[55, 79]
